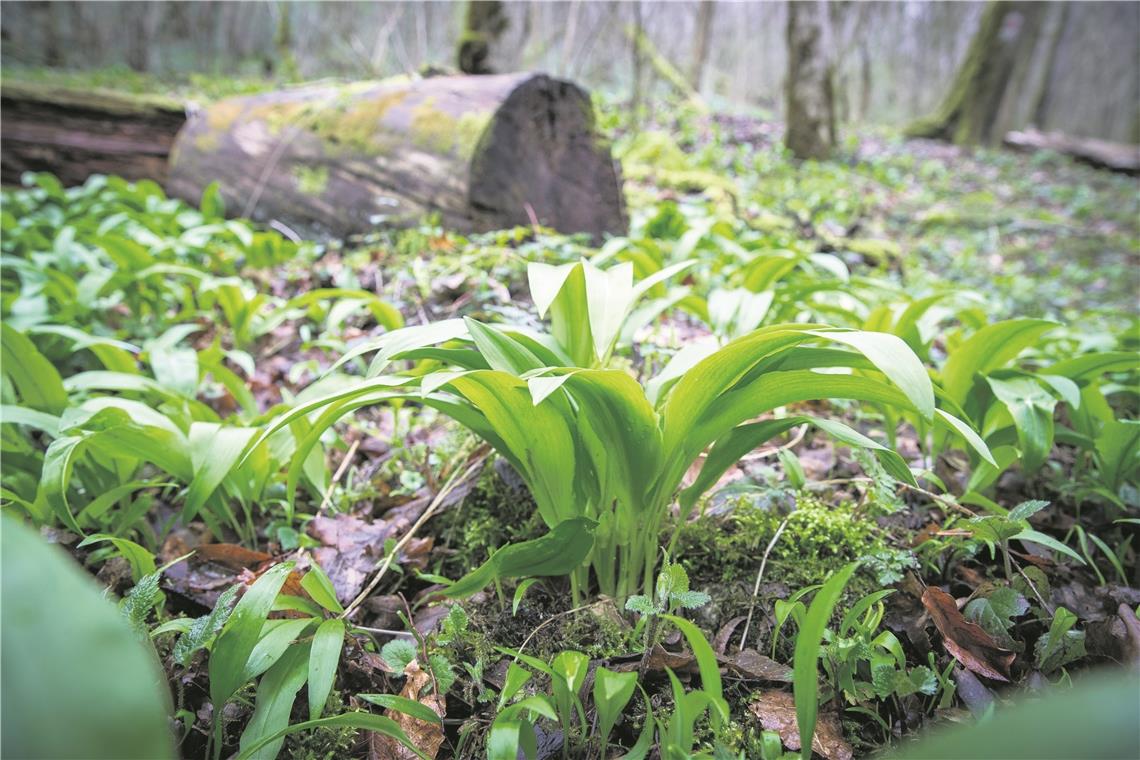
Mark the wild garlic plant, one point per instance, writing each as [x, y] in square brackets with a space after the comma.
[601, 453]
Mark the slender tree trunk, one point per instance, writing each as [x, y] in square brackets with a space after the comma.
[484, 23]
[995, 63]
[808, 90]
[1041, 101]
[705, 13]
[635, 48]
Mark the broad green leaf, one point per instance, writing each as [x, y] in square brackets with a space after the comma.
[805, 664]
[277, 636]
[238, 637]
[893, 358]
[35, 379]
[612, 692]
[1049, 542]
[417, 710]
[215, 450]
[318, 585]
[360, 720]
[324, 656]
[77, 681]
[557, 553]
[988, 349]
[1031, 408]
[276, 692]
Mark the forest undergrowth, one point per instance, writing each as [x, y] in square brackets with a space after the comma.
[834, 454]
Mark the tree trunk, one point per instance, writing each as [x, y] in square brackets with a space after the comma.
[995, 63]
[484, 22]
[705, 14]
[808, 90]
[483, 152]
[74, 134]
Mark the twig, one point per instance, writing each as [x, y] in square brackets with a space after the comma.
[759, 577]
[452, 483]
[337, 475]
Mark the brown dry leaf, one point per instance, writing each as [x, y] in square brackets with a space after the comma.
[425, 735]
[967, 642]
[751, 664]
[232, 556]
[777, 712]
[659, 659]
[724, 635]
[353, 548]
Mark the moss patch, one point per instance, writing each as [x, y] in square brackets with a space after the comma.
[311, 180]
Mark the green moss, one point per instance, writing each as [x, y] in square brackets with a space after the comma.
[221, 116]
[819, 539]
[325, 742]
[311, 180]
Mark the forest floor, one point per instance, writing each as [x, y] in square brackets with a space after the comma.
[976, 237]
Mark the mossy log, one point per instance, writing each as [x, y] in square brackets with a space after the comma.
[77, 133]
[1104, 154]
[483, 152]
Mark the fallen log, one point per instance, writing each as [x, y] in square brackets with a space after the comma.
[1119, 157]
[74, 134]
[483, 152]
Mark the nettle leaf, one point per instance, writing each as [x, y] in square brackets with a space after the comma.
[203, 630]
[995, 614]
[140, 600]
[642, 605]
[1027, 509]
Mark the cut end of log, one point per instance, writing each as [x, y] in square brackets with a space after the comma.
[483, 152]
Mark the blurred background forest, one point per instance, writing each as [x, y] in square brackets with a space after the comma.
[893, 62]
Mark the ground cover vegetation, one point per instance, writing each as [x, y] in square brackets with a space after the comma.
[818, 458]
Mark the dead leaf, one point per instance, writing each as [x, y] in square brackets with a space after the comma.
[232, 556]
[427, 736]
[353, 548]
[724, 635]
[966, 641]
[659, 659]
[751, 664]
[777, 712]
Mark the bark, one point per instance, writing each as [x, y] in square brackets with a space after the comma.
[75, 134]
[809, 90]
[484, 23]
[705, 13]
[482, 152]
[995, 65]
[1119, 157]
[1060, 17]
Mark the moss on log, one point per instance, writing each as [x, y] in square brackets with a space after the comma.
[482, 152]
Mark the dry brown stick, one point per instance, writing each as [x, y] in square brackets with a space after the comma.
[452, 483]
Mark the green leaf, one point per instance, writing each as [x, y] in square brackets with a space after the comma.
[77, 681]
[520, 592]
[277, 636]
[1049, 542]
[995, 613]
[360, 720]
[612, 692]
[324, 656]
[1031, 408]
[556, 553]
[893, 358]
[276, 693]
[417, 710]
[320, 588]
[203, 630]
[1060, 645]
[988, 349]
[213, 206]
[214, 451]
[238, 637]
[34, 378]
[805, 665]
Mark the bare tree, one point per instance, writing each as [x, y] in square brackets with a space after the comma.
[484, 23]
[705, 12]
[808, 89]
[995, 66]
